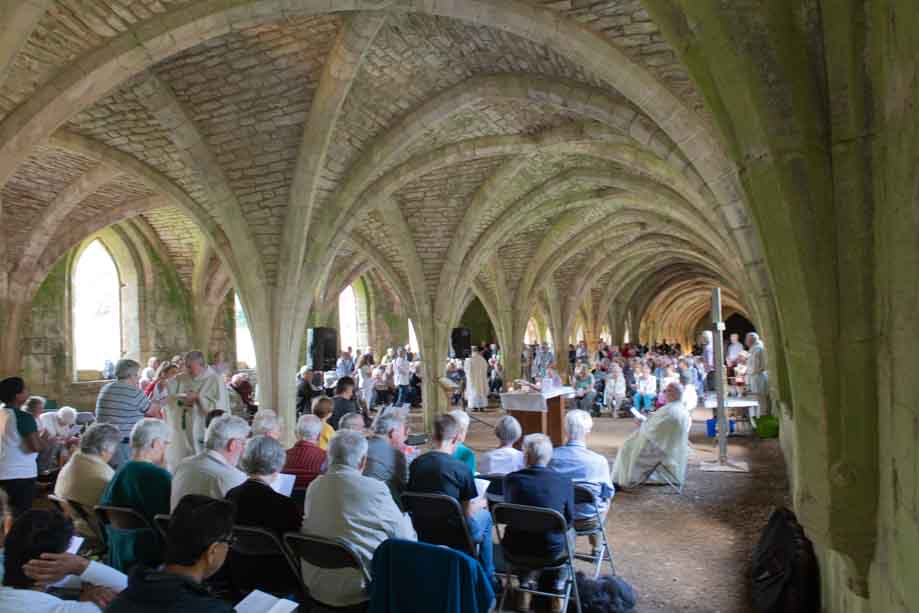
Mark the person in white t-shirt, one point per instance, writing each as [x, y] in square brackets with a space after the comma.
[35, 556]
[20, 443]
[505, 459]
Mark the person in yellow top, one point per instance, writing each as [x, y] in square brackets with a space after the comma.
[322, 408]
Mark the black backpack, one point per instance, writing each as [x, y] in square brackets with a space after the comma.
[785, 575]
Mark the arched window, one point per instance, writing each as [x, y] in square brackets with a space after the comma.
[531, 335]
[412, 339]
[579, 334]
[347, 318]
[245, 348]
[96, 309]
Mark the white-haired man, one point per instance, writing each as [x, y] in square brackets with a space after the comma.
[122, 404]
[577, 462]
[539, 486]
[345, 504]
[306, 458]
[663, 438]
[213, 472]
[266, 423]
[192, 395]
[476, 368]
[385, 460]
[143, 485]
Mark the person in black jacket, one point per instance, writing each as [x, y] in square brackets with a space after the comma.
[259, 506]
[305, 391]
[539, 486]
[198, 539]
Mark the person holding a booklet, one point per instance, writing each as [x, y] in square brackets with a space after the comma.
[662, 438]
[439, 472]
[258, 505]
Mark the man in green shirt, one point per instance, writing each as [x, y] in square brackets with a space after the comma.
[145, 486]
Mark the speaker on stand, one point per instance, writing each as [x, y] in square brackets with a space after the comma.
[461, 342]
[322, 348]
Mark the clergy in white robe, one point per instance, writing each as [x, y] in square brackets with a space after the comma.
[663, 438]
[192, 395]
[757, 378]
[476, 380]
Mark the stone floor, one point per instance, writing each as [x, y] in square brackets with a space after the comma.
[688, 553]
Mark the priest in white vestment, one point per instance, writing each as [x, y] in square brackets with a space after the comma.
[476, 381]
[757, 375]
[662, 438]
[192, 395]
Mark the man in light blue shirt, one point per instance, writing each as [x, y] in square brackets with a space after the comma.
[344, 367]
[580, 464]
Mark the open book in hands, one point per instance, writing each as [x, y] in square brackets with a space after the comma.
[637, 415]
[260, 602]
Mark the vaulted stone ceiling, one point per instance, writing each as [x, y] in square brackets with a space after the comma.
[549, 157]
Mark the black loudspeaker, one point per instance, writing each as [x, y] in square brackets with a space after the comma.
[322, 348]
[461, 341]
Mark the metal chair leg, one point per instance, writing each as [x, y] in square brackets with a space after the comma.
[507, 586]
[574, 585]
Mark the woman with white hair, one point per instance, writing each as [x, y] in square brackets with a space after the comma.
[58, 428]
[259, 506]
[614, 391]
[144, 485]
[463, 454]
[87, 474]
[505, 459]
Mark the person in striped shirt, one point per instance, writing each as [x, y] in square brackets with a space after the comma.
[122, 403]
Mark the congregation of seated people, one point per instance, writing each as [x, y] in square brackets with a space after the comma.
[168, 445]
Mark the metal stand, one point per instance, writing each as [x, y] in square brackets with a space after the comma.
[722, 464]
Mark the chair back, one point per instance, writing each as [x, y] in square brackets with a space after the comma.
[439, 519]
[161, 522]
[254, 541]
[538, 520]
[325, 553]
[89, 518]
[123, 518]
[584, 494]
[529, 519]
[58, 503]
[497, 484]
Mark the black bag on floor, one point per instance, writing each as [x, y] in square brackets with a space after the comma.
[785, 574]
[608, 594]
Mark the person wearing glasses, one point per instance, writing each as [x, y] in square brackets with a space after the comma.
[213, 472]
[197, 543]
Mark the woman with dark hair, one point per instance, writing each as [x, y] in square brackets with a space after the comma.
[35, 556]
[343, 400]
[20, 444]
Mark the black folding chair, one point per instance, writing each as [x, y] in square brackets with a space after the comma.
[583, 495]
[495, 492]
[90, 519]
[537, 520]
[123, 518]
[161, 522]
[58, 503]
[438, 519]
[254, 541]
[325, 553]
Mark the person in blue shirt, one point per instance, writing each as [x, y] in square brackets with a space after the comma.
[580, 464]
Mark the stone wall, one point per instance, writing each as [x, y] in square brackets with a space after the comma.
[164, 323]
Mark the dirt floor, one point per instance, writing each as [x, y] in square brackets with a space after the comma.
[689, 553]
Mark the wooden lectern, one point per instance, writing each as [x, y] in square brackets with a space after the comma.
[539, 412]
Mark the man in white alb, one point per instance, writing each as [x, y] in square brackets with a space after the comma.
[476, 381]
[192, 395]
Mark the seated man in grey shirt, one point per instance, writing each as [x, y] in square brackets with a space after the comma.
[385, 460]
